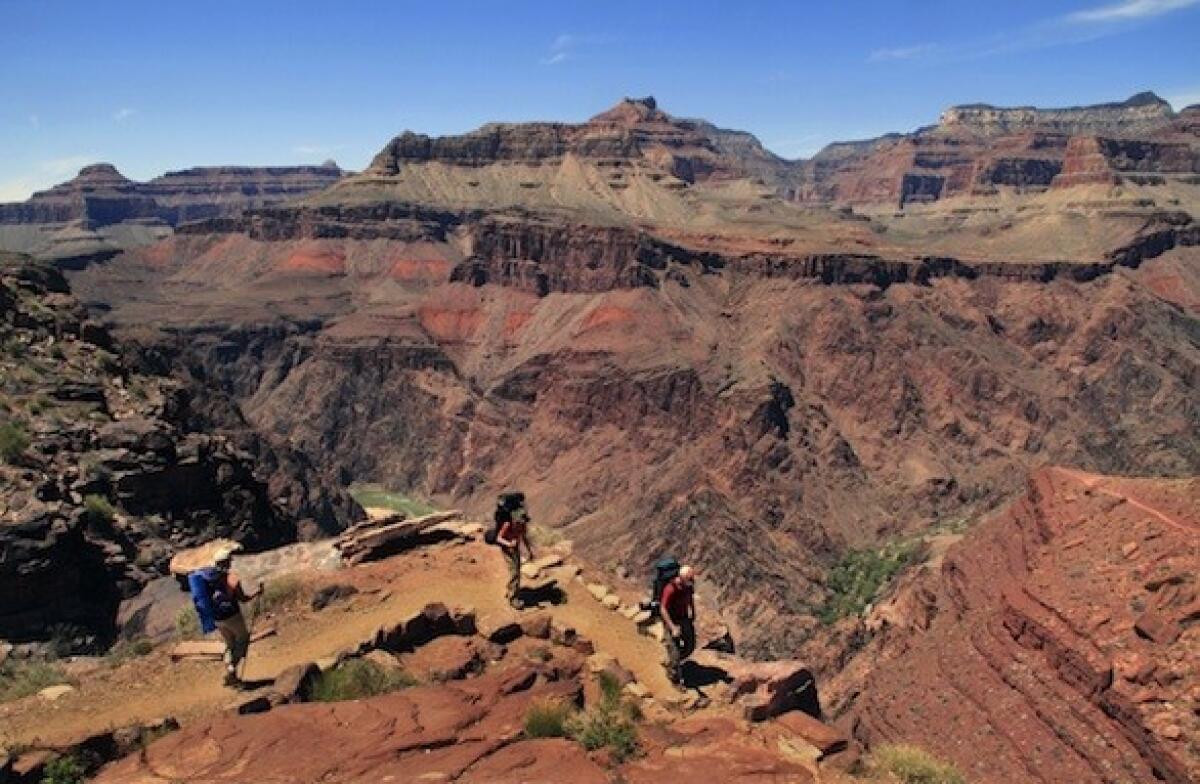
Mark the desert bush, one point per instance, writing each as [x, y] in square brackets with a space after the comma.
[548, 719]
[605, 726]
[97, 511]
[285, 591]
[912, 765]
[859, 577]
[611, 724]
[357, 679]
[13, 441]
[22, 678]
[63, 770]
[187, 623]
[125, 650]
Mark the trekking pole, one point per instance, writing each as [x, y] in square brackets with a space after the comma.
[250, 631]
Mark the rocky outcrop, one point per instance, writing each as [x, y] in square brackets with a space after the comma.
[1046, 652]
[101, 196]
[92, 217]
[1140, 114]
[103, 473]
[977, 148]
[635, 130]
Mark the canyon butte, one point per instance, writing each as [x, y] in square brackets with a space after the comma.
[676, 341]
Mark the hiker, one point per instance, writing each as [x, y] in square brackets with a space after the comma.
[677, 607]
[512, 530]
[218, 595]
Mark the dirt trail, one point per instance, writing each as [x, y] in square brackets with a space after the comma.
[469, 576]
[1107, 487]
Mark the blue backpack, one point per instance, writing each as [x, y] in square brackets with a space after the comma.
[212, 597]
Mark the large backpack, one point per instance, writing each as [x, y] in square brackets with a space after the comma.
[666, 570]
[506, 504]
[211, 595]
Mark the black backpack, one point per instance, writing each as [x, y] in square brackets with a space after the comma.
[666, 570]
[506, 504]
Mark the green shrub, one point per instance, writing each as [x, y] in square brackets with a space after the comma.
[547, 719]
[605, 726]
[129, 649]
[13, 441]
[97, 511]
[859, 577]
[612, 724]
[912, 765]
[63, 770]
[187, 623]
[22, 678]
[357, 679]
[610, 687]
[37, 404]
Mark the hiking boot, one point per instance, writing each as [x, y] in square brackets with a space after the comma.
[232, 680]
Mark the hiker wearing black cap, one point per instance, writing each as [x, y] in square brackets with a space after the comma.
[511, 531]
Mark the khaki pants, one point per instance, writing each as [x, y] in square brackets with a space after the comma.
[237, 640]
[513, 556]
[679, 649]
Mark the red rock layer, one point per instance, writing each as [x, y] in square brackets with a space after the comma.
[1064, 643]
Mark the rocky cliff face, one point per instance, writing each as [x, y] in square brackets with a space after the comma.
[1058, 640]
[106, 474]
[754, 413]
[1138, 115]
[99, 212]
[975, 149]
[635, 130]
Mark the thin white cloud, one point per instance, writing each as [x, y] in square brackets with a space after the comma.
[560, 49]
[901, 53]
[123, 114]
[1078, 27]
[1128, 10]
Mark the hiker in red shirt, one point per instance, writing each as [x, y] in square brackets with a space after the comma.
[513, 532]
[678, 610]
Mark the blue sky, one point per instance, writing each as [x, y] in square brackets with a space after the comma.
[154, 86]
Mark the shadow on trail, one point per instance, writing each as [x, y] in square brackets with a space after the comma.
[546, 593]
[697, 676]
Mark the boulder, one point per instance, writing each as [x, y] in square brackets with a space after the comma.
[611, 602]
[434, 620]
[502, 627]
[598, 591]
[446, 659]
[331, 593]
[764, 689]
[55, 693]
[1154, 626]
[295, 684]
[825, 738]
[537, 626]
[389, 535]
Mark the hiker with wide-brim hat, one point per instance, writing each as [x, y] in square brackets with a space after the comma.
[218, 595]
